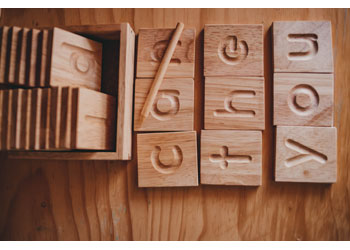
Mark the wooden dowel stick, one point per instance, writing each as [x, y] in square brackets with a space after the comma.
[161, 72]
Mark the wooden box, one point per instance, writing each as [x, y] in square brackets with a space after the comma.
[117, 80]
[306, 154]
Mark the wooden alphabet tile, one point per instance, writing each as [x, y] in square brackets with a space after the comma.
[302, 46]
[152, 44]
[231, 157]
[306, 154]
[173, 108]
[24, 56]
[45, 48]
[233, 50]
[16, 34]
[75, 60]
[33, 73]
[4, 51]
[14, 122]
[302, 99]
[55, 117]
[23, 130]
[234, 103]
[93, 120]
[3, 117]
[167, 159]
[6, 119]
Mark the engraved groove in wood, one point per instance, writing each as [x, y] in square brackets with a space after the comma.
[230, 110]
[224, 158]
[310, 40]
[160, 109]
[159, 50]
[303, 100]
[231, 51]
[167, 168]
[306, 154]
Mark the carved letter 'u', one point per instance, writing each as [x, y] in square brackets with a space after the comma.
[167, 168]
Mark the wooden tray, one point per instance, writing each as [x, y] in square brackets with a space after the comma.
[118, 53]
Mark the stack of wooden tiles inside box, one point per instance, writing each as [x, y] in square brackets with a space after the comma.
[231, 143]
[50, 99]
[303, 102]
[166, 158]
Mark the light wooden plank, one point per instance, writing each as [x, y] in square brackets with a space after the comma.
[125, 93]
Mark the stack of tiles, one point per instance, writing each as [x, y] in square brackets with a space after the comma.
[303, 102]
[58, 118]
[166, 159]
[57, 104]
[231, 144]
[43, 58]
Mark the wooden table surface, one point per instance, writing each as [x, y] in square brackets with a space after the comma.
[82, 200]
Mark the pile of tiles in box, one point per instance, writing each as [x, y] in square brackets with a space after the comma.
[303, 102]
[234, 117]
[50, 95]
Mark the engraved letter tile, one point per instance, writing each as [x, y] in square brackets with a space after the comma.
[231, 157]
[172, 109]
[234, 103]
[306, 154]
[233, 50]
[167, 159]
[75, 59]
[303, 46]
[302, 99]
[152, 44]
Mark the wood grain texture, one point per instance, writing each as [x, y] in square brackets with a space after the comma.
[231, 157]
[233, 50]
[302, 46]
[4, 51]
[167, 159]
[173, 108]
[14, 54]
[234, 103]
[152, 44]
[302, 99]
[72, 200]
[24, 56]
[34, 59]
[75, 59]
[93, 120]
[125, 93]
[306, 154]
